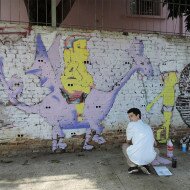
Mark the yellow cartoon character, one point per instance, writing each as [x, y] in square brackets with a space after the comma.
[76, 80]
[168, 95]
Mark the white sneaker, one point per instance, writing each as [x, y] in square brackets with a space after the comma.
[145, 169]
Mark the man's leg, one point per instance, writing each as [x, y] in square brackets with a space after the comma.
[124, 149]
[157, 151]
[146, 168]
[133, 168]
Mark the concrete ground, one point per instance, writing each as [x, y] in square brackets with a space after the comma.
[96, 170]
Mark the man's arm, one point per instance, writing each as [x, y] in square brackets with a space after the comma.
[155, 143]
[129, 134]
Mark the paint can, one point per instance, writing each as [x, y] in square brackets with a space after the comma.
[170, 149]
[184, 147]
[174, 162]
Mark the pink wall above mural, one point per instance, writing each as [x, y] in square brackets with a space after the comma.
[14, 11]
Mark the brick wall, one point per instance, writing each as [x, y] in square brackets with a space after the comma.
[114, 139]
[114, 62]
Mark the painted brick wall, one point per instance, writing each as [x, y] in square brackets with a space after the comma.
[115, 72]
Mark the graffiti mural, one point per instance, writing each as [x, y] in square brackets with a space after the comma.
[76, 80]
[183, 100]
[168, 95]
[73, 101]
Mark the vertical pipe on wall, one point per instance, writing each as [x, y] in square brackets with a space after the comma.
[37, 11]
[95, 16]
[102, 15]
[46, 13]
[88, 23]
[181, 25]
[161, 14]
[19, 9]
[61, 12]
[29, 11]
[110, 13]
[78, 15]
[70, 8]
[10, 12]
[53, 13]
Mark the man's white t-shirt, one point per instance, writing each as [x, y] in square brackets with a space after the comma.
[141, 152]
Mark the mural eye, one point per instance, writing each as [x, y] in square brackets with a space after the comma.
[17, 84]
[41, 60]
[71, 84]
[142, 63]
[99, 106]
[96, 106]
[68, 84]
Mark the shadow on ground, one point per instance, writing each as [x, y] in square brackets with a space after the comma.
[96, 170]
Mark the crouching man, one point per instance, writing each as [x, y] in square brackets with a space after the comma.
[139, 149]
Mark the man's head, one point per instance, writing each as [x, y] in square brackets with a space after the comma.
[134, 114]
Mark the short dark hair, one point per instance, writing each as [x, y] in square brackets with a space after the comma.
[136, 111]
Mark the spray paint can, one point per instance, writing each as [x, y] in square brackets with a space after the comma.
[170, 148]
[174, 162]
[184, 147]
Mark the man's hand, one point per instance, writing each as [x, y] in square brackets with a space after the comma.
[129, 142]
[155, 144]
